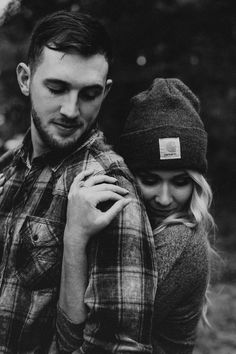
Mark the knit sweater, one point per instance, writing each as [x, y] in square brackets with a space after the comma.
[182, 262]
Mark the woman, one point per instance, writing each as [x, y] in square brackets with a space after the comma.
[164, 144]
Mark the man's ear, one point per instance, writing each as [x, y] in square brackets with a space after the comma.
[23, 78]
[108, 87]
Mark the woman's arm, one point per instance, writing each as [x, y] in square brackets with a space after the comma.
[183, 265]
[84, 220]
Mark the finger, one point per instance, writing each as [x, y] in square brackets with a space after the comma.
[114, 210]
[104, 196]
[109, 187]
[78, 181]
[1, 190]
[94, 180]
[2, 180]
[82, 175]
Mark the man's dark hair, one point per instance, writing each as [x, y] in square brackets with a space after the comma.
[69, 32]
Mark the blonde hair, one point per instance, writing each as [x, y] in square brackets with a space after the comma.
[197, 216]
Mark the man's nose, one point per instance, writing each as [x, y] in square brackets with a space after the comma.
[70, 106]
[163, 196]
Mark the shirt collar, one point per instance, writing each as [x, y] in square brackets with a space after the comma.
[52, 158]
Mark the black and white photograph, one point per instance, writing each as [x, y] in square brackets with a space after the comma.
[117, 177]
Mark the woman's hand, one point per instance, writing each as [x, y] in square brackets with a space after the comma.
[2, 181]
[84, 218]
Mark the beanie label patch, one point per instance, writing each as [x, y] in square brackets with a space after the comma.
[169, 148]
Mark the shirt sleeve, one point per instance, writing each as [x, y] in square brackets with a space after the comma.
[122, 281]
[69, 334]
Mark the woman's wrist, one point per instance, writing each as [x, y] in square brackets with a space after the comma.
[75, 240]
[73, 286]
[73, 255]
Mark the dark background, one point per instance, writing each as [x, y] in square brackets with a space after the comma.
[194, 40]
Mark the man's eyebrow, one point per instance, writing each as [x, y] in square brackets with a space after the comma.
[93, 87]
[65, 83]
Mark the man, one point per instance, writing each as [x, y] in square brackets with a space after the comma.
[66, 81]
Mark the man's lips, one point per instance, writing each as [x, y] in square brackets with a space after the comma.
[67, 126]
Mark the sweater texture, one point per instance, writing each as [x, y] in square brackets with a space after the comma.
[182, 263]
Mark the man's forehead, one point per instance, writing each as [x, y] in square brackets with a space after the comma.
[57, 57]
[72, 66]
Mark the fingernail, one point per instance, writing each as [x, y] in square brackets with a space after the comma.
[113, 178]
[126, 191]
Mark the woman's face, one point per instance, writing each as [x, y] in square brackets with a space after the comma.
[165, 192]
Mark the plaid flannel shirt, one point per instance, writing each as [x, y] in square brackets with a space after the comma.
[122, 276]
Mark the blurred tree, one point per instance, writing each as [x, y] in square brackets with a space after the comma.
[191, 39]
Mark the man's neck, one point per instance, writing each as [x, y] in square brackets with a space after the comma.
[37, 144]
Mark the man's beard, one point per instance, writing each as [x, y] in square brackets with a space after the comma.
[48, 139]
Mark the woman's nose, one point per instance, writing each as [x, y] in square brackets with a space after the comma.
[163, 196]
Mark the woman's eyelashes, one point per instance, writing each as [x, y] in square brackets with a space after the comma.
[149, 179]
[181, 181]
[153, 179]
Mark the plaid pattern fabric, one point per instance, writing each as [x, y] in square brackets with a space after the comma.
[122, 275]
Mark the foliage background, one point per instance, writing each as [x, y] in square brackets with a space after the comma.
[190, 39]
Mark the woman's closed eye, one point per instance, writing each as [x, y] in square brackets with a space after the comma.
[181, 181]
[149, 179]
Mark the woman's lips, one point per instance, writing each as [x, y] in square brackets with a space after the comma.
[161, 212]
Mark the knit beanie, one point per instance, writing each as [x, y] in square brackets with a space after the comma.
[164, 130]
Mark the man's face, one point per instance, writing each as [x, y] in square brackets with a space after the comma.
[66, 92]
